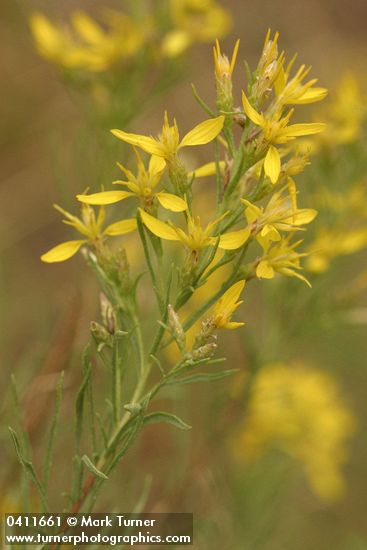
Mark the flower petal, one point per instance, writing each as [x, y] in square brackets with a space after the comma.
[234, 239]
[105, 197]
[295, 130]
[311, 96]
[62, 251]
[159, 228]
[230, 297]
[252, 114]
[252, 212]
[121, 227]
[156, 165]
[146, 143]
[171, 202]
[302, 216]
[291, 273]
[209, 169]
[88, 29]
[231, 325]
[264, 270]
[204, 132]
[272, 164]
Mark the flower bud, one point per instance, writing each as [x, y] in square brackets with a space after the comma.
[176, 327]
[204, 351]
[101, 335]
[108, 315]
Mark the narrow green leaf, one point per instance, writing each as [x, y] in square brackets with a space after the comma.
[166, 418]
[162, 323]
[142, 500]
[155, 282]
[131, 434]
[53, 431]
[28, 468]
[203, 377]
[102, 428]
[157, 362]
[91, 467]
[79, 403]
[202, 103]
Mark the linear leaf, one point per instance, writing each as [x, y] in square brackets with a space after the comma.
[53, 431]
[91, 467]
[203, 377]
[28, 468]
[166, 418]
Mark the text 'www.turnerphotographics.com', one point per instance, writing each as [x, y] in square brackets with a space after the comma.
[104, 529]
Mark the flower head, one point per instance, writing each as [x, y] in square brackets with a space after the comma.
[293, 91]
[276, 130]
[196, 237]
[142, 185]
[280, 258]
[87, 45]
[168, 142]
[90, 227]
[226, 306]
[194, 21]
[280, 214]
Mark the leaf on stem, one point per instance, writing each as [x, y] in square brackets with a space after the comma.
[92, 468]
[166, 418]
[203, 377]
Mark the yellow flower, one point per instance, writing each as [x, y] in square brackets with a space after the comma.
[298, 410]
[87, 45]
[91, 227]
[51, 42]
[196, 237]
[280, 258]
[275, 130]
[293, 91]
[142, 186]
[333, 242]
[280, 214]
[194, 21]
[168, 142]
[226, 306]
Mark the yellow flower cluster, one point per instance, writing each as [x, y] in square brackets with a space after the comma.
[194, 21]
[250, 172]
[88, 45]
[345, 114]
[273, 123]
[298, 410]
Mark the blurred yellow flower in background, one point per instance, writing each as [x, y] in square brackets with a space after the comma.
[330, 243]
[86, 44]
[298, 410]
[345, 115]
[194, 21]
